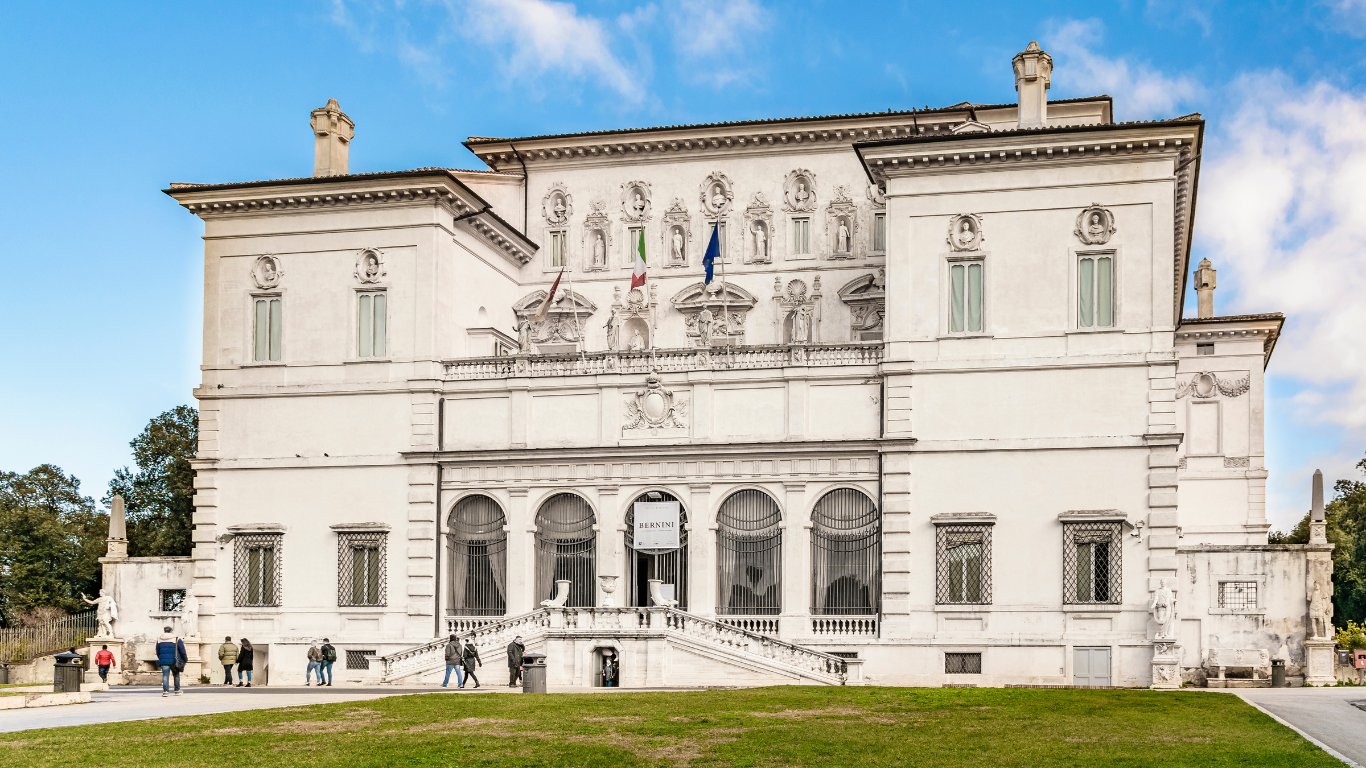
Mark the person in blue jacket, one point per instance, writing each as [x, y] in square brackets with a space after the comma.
[171, 657]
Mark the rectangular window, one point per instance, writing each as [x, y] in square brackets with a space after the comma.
[965, 297]
[1238, 595]
[267, 329]
[1204, 349]
[964, 564]
[256, 569]
[360, 568]
[1095, 292]
[634, 234]
[172, 600]
[1091, 562]
[720, 242]
[880, 232]
[372, 324]
[962, 663]
[557, 249]
[801, 236]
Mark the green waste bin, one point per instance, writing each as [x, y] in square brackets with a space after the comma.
[67, 672]
[533, 673]
[1278, 673]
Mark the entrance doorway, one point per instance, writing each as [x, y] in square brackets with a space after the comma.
[671, 568]
[1090, 666]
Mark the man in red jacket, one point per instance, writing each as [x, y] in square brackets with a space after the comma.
[104, 660]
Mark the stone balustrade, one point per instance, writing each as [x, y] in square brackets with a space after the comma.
[759, 625]
[664, 360]
[844, 626]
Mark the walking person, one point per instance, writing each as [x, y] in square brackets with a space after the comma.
[315, 657]
[103, 661]
[515, 651]
[329, 658]
[453, 663]
[227, 656]
[171, 657]
[469, 659]
[244, 659]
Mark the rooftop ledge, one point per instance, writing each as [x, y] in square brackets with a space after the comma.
[664, 361]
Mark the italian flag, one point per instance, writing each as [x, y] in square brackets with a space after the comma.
[638, 276]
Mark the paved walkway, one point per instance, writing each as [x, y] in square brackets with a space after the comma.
[1326, 714]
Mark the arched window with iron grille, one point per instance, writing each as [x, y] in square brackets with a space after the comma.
[668, 567]
[846, 555]
[749, 555]
[566, 548]
[478, 559]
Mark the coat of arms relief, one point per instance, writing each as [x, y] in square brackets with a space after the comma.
[655, 409]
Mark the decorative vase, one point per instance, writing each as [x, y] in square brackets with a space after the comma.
[609, 585]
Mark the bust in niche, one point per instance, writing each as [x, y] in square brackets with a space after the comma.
[842, 238]
[599, 251]
[1097, 228]
[676, 255]
[965, 234]
[802, 195]
[760, 241]
[557, 213]
[638, 206]
[718, 198]
[268, 271]
[371, 267]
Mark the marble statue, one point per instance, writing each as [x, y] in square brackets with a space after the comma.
[802, 195]
[599, 251]
[760, 242]
[524, 335]
[1097, 228]
[1318, 612]
[704, 321]
[801, 328]
[106, 611]
[842, 239]
[371, 267]
[613, 332]
[677, 253]
[559, 209]
[718, 198]
[1163, 610]
[639, 206]
[189, 616]
[966, 235]
[637, 341]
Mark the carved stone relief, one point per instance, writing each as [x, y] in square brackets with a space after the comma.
[557, 205]
[677, 234]
[799, 191]
[1095, 225]
[597, 237]
[633, 319]
[717, 195]
[867, 300]
[370, 266]
[562, 329]
[841, 223]
[965, 232]
[758, 231]
[266, 272]
[800, 312]
[635, 201]
[1205, 385]
[726, 307]
[654, 409]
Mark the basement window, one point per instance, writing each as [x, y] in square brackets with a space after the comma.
[962, 663]
[1204, 349]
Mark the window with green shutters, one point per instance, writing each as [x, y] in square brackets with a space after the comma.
[371, 315]
[1095, 292]
[360, 568]
[256, 578]
[267, 329]
[965, 297]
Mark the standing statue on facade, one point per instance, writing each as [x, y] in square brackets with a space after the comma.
[106, 611]
[677, 253]
[704, 320]
[1319, 612]
[842, 239]
[613, 332]
[637, 341]
[599, 251]
[801, 327]
[1163, 609]
[760, 243]
[524, 335]
[189, 616]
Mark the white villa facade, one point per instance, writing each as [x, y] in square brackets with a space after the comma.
[937, 419]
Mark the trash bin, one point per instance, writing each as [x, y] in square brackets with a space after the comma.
[67, 672]
[1278, 673]
[533, 673]
[4, 674]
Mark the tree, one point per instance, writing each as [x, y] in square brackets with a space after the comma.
[159, 496]
[51, 539]
[1345, 516]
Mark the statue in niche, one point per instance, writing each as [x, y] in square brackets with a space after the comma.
[802, 195]
[718, 198]
[676, 255]
[613, 332]
[1097, 227]
[965, 234]
[599, 251]
[371, 267]
[1163, 609]
[801, 325]
[524, 335]
[637, 341]
[704, 321]
[557, 213]
[760, 242]
[639, 206]
[842, 239]
[1319, 612]
[106, 611]
[189, 616]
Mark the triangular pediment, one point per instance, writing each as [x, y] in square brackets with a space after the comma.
[566, 302]
[971, 126]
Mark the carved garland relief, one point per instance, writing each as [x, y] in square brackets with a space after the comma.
[1205, 385]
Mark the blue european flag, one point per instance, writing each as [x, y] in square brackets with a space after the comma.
[713, 252]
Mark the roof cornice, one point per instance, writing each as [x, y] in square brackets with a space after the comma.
[1267, 327]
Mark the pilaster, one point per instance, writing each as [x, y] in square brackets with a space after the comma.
[612, 526]
[796, 562]
[521, 554]
[701, 552]
[420, 570]
[896, 545]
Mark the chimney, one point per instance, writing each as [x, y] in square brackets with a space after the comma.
[118, 530]
[1204, 288]
[332, 132]
[1033, 73]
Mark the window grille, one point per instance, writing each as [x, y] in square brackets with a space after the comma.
[1095, 292]
[172, 600]
[566, 548]
[962, 663]
[963, 564]
[371, 315]
[358, 660]
[965, 297]
[268, 327]
[361, 561]
[256, 569]
[846, 555]
[1091, 564]
[668, 567]
[478, 563]
[750, 555]
[1238, 595]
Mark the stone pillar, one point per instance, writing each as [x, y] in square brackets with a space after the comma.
[332, 133]
[611, 546]
[1162, 532]
[420, 560]
[795, 618]
[1033, 77]
[1318, 584]
[521, 584]
[702, 563]
[1204, 288]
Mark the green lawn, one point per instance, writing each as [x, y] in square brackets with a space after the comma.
[785, 726]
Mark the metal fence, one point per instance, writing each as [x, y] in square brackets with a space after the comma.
[25, 643]
[478, 563]
[962, 663]
[963, 564]
[846, 555]
[566, 548]
[668, 567]
[256, 569]
[750, 553]
[1091, 565]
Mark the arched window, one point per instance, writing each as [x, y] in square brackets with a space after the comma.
[478, 561]
[566, 549]
[750, 555]
[846, 555]
[668, 567]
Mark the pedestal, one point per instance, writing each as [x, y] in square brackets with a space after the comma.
[1319, 659]
[1166, 666]
[116, 677]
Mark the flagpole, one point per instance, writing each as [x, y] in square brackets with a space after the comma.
[578, 329]
[725, 306]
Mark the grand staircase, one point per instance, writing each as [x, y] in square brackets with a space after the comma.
[658, 647]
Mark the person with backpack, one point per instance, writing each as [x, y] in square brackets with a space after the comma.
[103, 661]
[453, 663]
[315, 658]
[469, 659]
[244, 659]
[227, 656]
[171, 657]
[329, 658]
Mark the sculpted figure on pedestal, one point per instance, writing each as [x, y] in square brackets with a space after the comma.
[842, 239]
[189, 616]
[599, 251]
[524, 335]
[704, 321]
[1163, 609]
[760, 243]
[106, 612]
[613, 332]
[801, 325]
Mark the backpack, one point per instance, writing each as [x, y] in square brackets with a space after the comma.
[329, 653]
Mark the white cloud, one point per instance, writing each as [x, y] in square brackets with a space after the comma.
[1140, 92]
[1350, 15]
[716, 38]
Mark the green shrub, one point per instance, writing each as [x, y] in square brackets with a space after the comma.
[1352, 637]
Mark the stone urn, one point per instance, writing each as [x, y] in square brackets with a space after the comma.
[609, 585]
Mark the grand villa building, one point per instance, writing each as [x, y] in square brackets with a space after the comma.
[938, 418]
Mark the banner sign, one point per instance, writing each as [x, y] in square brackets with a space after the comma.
[656, 526]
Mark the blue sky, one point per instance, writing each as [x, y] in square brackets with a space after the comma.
[103, 106]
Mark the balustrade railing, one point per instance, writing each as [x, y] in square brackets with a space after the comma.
[844, 626]
[756, 624]
[432, 655]
[664, 360]
[743, 641]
